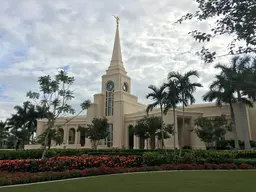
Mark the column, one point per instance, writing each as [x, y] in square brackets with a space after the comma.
[77, 139]
[135, 142]
[65, 135]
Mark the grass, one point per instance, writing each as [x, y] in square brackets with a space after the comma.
[192, 181]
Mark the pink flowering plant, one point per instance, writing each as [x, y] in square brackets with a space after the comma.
[69, 163]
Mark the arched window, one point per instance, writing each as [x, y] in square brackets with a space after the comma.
[109, 105]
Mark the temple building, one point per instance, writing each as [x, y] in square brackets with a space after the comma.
[122, 109]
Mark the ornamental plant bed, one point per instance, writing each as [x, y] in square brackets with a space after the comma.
[7, 178]
[69, 163]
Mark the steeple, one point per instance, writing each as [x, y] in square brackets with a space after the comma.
[116, 60]
[117, 55]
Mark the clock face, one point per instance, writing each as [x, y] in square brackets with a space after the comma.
[125, 87]
[110, 85]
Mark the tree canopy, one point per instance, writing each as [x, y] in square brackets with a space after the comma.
[96, 131]
[232, 17]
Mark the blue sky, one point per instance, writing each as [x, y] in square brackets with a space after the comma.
[38, 37]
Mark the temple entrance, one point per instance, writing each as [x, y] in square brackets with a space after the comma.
[131, 137]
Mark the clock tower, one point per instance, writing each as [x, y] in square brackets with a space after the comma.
[115, 99]
[115, 85]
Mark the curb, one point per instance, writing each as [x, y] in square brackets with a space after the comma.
[129, 173]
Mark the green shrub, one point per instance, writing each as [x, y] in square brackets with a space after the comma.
[188, 155]
[247, 161]
[154, 158]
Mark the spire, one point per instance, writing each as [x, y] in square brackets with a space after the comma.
[116, 60]
[117, 55]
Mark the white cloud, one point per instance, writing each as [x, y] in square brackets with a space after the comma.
[38, 37]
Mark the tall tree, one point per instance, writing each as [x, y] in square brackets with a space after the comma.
[234, 18]
[222, 91]
[4, 133]
[24, 122]
[27, 115]
[185, 90]
[158, 96]
[53, 97]
[16, 126]
[235, 73]
[95, 131]
[249, 71]
[171, 102]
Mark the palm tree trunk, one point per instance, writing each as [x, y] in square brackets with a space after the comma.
[183, 125]
[162, 126]
[244, 127]
[174, 128]
[234, 126]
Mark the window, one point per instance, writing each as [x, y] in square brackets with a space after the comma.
[109, 105]
[109, 139]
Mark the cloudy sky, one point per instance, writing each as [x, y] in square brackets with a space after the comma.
[38, 37]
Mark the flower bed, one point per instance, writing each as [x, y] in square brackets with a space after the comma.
[7, 178]
[69, 163]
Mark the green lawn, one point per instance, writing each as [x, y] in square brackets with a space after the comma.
[210, 181]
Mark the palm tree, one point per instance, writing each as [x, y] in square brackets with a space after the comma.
[249, 70]
[4, 133]
[54, 135]
[158, 95]
[237, 75]
[172, 100]
[222, 91]
[27, 114]
[186, 90]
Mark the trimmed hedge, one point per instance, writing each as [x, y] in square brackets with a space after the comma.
[36, 153]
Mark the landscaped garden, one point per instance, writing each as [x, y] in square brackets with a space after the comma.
[63, 164]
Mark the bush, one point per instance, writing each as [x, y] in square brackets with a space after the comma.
[154, 158]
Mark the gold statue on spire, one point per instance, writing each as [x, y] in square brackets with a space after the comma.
[117, 19]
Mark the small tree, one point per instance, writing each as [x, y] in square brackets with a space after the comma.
[168, 131]
[53, 97]
[153, 125]
[95, 131]
[141, 131]
[149, 127]
[210, 131]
